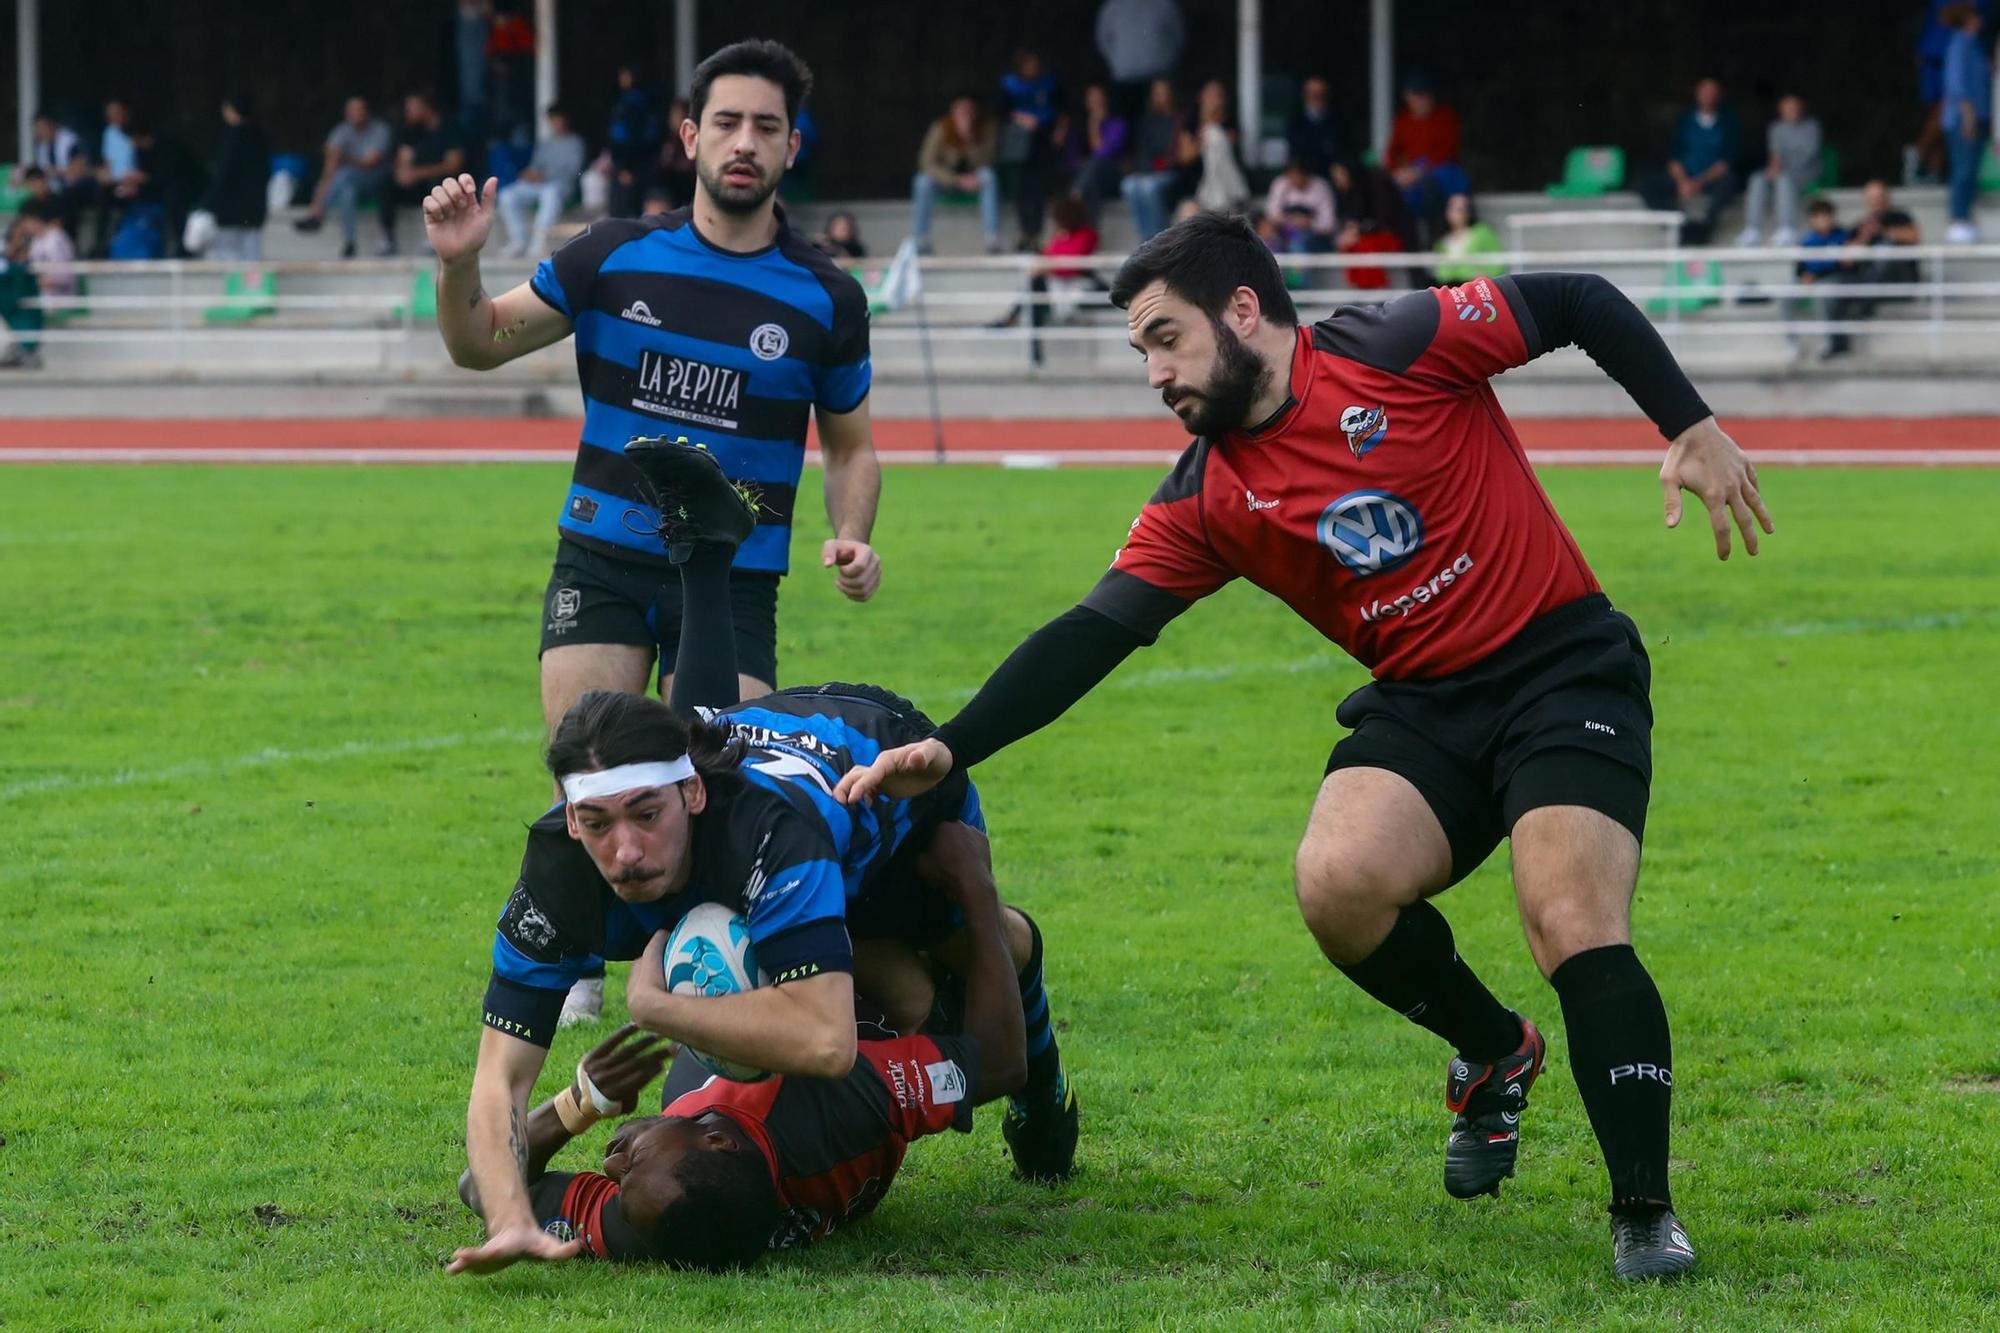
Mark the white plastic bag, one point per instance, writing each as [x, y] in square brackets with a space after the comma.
[199, 233]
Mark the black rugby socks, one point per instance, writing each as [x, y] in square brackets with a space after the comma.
[1417, 972]
[1621, 1054]
[705, 664]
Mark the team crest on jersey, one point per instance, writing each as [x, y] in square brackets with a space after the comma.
[1364, 427]
[769, 341]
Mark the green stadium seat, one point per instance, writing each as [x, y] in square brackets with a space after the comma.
[12, 196]
[243, 300]
[1697, 284]
[1829, 168]
[1989, 168]
[65, 314]
[1589, 172]
[423, 298]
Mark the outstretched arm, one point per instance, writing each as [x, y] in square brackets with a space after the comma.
[496, 1151]
[1585, 310]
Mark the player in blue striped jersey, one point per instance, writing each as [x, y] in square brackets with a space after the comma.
[664, 811]
[715, 323]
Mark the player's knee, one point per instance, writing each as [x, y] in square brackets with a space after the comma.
[1339, 892]
[1560, 928]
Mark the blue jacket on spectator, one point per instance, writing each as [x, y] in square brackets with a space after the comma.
[1698, 147]
[1035, 96]
[1968, 77]
[1819, 268]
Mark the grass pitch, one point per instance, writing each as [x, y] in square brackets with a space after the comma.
[268, 742]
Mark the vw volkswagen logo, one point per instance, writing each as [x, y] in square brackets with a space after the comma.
[1371, 531]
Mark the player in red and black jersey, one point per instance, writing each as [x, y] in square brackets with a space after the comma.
[1363, 471]
[730, 1169]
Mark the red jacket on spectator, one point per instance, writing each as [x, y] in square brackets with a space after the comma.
[1082, 241]
[1371, 243]
[1432, 138]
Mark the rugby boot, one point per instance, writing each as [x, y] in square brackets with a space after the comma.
[1040, 1128]
[1488, 1099]
[697, 502]
[1649, 1244]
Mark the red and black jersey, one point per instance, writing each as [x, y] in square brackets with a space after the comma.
[1388, 502]
[833, 1145]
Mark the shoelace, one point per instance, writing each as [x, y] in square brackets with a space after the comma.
[1630, 1232]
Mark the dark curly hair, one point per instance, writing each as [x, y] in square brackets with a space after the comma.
[607, 728]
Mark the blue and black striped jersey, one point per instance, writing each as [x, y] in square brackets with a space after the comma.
[772, 844]
[677, 337]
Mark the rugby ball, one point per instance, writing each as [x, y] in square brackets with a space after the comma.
[709, 953]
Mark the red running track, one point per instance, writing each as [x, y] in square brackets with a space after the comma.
[1882, 441]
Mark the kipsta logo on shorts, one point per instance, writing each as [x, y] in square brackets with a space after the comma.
[1371, 531]
[1364, 427]
[769, 341]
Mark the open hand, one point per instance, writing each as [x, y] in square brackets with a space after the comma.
[458, 216]
[857, 570]
[510, 1245]
[1707, 462]
[625, 1062]
[906, 771]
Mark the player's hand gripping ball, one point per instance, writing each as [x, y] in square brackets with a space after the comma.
[709, 953]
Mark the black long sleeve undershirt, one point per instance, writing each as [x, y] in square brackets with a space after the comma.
[1584, 310]
[1065, 659]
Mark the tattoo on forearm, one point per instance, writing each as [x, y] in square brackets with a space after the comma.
[517, 1142]
[478, 295]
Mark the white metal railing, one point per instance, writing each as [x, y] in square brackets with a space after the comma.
[1957, 290]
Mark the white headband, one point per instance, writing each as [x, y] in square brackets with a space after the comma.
[626, 777]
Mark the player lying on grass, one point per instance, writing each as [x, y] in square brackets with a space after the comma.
[1363, 471]
[664, 811]
[728, 1169]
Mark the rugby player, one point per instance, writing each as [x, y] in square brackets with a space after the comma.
[664, 811]
[716, 323]
[728, 1169]
[1363, 471]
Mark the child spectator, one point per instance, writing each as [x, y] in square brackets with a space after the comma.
[1822, 230]
[1466, 238]
[1300, 205]
[842, 237]
[1072, 236]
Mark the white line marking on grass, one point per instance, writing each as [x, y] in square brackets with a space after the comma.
[264, 758]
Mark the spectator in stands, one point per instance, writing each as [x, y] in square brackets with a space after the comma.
[842, 237]
[957, 155]
[1423, 153]
[1072, 236]
[1925, 160]
[1369, 196]
[431, 149]
[1792, 164]
[1140, 41]
[471, 31]
[1359, 238]
[237, 187]
[1160, 177]
[356, 165]
[1466, 238]
[170, 180]
[1883, 225]
[1966, 114]
[1300, 209]
[1700, 176]
[37, 241]
[1313, 132]
[117, 178]
[510, 71]
[1031, 103]
[676, 177]
[634, 143]
[1222, 187]
[1822, 229]
[57, 150]
[546, 182]
[1105, 140]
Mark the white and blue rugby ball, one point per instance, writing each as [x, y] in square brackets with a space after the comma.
[709, 953]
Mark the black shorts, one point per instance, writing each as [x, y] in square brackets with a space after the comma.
[1559, 716]
[597, 598]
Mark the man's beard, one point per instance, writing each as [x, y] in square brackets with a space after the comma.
[738, 199]
[1239, 378]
